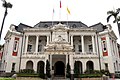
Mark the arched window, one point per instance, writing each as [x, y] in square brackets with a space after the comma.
[29, 65]
[74, 26]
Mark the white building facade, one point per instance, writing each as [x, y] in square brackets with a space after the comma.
[93, 47]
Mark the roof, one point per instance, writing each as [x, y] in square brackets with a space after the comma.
[99, 27]
[20, 27]
[72, 24]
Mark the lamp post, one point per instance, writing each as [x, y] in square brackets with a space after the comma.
[5, 5]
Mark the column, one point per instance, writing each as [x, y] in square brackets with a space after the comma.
[23, 44]
[82, 42]
[50, 61]
[35, 66]
[36, 48]
[26, 44]
[66, 59]
[117, 49]
[71, 40]
[47, 40]
[93, 43]
[72, 66]
[97, 44]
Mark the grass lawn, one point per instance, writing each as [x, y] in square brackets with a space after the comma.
[7, 79]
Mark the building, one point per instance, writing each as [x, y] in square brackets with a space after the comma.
[93, 47]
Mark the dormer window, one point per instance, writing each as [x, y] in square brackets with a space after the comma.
[45, 26]
[74, 26]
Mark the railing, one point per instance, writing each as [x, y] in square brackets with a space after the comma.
[33, 53]
[85, 55]
[39, 55]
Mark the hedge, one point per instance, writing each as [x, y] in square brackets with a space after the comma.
[7, 79]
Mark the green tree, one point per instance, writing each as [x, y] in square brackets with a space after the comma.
[48, 69]
[68, 70]
[114, 13]
[76, 69]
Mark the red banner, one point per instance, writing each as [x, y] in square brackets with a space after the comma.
[15, 47]
[104, 46]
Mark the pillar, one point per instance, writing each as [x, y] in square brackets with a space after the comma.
[47, 40]
[93, 43]
[36, 47]
[82, 41]
[35, 66]
[23, 45]
[71, 40]
[26, 44]
[72, 66]
[50, 61]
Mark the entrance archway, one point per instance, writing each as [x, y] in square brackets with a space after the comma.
[40, 67]
[79, 65]
[90, 65]
[59, 68]
[29, 65]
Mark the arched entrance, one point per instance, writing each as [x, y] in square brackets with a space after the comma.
[59, 68]
[90, 65]
[29, 65]
[40, 67]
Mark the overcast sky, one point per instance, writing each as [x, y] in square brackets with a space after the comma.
[30, 12]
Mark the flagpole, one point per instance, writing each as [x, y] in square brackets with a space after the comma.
[60, 12]
[52, 16]
[67, 19]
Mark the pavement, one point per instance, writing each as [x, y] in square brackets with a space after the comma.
[113, 79]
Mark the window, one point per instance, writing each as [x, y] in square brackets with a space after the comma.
[15, 46]
[104, 46]
[114, 66]
[73, 26]
[106, 66]
[39, 48]
[13, 67]
[29, 49]
[90, 48]
[80, 48]
[73, 47]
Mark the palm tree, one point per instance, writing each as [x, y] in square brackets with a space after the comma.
[116, 17]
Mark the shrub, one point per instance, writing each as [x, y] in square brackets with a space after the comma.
[27, 71]
[89, 75]
[106, 72]
[68, 71]
[7, 79]
[27, 75]
[48, 69]
[76, 69]
[42, 75]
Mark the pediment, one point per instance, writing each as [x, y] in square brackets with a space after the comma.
[60, 27]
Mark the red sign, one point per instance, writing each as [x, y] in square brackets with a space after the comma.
[104, 46]
[15, 47]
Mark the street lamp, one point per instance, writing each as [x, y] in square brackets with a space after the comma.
[5, 5]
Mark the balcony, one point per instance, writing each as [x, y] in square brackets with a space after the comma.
[88, 55]
[34, 55]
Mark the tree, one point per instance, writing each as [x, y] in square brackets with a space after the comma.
[116, 17]
[76, 69]
[48, 69]
[68, 70]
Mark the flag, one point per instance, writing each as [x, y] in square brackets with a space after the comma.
[68, 10]
[60, 4]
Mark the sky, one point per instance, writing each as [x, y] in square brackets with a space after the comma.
[31, 12]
